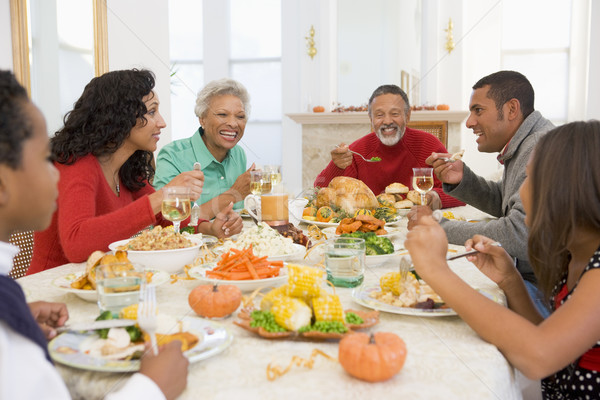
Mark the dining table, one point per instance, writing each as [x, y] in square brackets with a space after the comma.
[445, 359]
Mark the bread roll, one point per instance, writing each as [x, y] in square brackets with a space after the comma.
[414, 196]
[403, 204]
[396, 187]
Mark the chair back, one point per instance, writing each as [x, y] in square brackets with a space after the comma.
[438, 129]
[21, 262]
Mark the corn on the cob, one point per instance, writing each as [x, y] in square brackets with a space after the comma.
[267, 301]
[390, 282]
[304, 281]
[291, 313]
[328, 308]
[129, 312]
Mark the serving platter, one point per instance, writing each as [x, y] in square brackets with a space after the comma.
[331, 224]
[64, 283]
[199, 273]
[392, 231]
[69, 347]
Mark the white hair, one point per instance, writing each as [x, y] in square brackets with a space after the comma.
[221, 87]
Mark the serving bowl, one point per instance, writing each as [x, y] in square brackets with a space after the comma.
[170, 261]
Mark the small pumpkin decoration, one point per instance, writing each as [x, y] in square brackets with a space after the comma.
[309, 211]
[215, 301]
[324, 214]
[362, 211]
[372, 358]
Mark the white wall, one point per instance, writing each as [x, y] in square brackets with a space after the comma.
[6, 60]
[593, 101]
[138, 34]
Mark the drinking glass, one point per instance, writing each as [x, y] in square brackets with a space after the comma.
[118, 285]
[274, 172]
[260, 182]
[423, 182]
[345, 261]
[176, 204]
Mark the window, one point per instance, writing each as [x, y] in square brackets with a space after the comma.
[187, 68]
[251, 35]
[540, 51]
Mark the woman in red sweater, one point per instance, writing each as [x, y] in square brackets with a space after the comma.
[104, 155]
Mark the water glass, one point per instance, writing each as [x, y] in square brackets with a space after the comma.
[118, 285]
[345, 261]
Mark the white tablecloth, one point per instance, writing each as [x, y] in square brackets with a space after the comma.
[446, 359]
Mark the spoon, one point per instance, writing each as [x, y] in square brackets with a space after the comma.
[372, 159]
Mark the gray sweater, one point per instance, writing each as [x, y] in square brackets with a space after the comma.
[501, 199]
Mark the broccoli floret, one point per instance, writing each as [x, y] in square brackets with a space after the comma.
[373, 250]
[381, 245]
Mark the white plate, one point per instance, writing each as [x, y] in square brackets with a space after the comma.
[329, 224]
[330, 232]
[67, 347]
[64, 283]
[199, 273]
[372, 261]
[361, 296]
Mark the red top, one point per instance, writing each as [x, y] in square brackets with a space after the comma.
[89, 216]
[396, 163]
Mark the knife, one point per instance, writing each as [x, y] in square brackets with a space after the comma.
[91, 326]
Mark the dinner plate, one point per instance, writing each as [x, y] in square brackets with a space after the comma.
[67, 348]
[361, 295]
[392, 231]
[64, 283]
[330, 224]
[199, 273]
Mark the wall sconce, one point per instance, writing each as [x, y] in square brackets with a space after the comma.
[449, 36]
[310, 43]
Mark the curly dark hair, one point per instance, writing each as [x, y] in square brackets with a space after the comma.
[507, 85]
[566, 154]
[15, 126]
[102, 119]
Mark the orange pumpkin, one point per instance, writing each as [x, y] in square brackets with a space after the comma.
[215, 301]
[443, 107]
[372, 358]
[324, 214]
[318, 109]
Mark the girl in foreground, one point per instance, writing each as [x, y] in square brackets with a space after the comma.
[104, 156]
[560, 195]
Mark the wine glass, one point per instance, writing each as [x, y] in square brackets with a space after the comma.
[260, 182]
[274, 172]
[176, 204]
[423, 182]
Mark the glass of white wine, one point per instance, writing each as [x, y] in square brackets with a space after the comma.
[260, 182]
[423, 182]
[275, 174]
[176, 204]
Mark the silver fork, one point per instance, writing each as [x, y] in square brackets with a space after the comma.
[146, 316]
[361, 156]
[404, 268]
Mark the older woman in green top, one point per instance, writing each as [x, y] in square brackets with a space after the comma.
[222, 108]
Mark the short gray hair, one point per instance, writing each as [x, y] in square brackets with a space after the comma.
[221, 87]
[390, 89]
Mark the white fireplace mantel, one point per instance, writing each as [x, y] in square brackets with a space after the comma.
[321, 132]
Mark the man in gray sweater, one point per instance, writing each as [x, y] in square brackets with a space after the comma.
[503, 119]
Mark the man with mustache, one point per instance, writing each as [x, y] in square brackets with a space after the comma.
[400, 148]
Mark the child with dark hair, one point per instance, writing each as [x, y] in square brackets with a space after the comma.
[560, 196]
[104, 155]
[28, 195]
